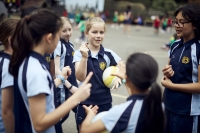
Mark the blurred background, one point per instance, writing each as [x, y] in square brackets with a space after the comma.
[146, 9]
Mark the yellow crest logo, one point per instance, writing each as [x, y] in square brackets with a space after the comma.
[48, 59]
[185, 60]
[102, 65]
[73, 53]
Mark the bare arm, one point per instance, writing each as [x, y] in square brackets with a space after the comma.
[81, 67]
[188, 88]
[87, 125]
[7, 109]
[68, 85]
[42, 120]
[57, 65]
[52, 68]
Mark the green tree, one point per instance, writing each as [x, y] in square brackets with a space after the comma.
[164, 5]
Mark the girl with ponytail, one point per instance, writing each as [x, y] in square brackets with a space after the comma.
[35, 35]
[143, 111]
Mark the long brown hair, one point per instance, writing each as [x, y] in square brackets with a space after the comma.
[7, 29]
[29, 32]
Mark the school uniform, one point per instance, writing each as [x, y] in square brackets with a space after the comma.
[6, 80]
[100, 94]
[61, 52]
[183, 109]
[34, 79]
[48, 58]
[127, 117]
[72, 78]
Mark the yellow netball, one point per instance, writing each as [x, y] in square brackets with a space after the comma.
[97, 117]
[107, 78]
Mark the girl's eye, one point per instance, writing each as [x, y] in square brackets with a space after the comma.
[102, 32]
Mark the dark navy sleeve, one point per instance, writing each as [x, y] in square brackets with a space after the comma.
[117, 118]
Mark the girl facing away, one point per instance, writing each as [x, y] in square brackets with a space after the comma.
[7, 29]
[143, 111]
[33, 38]
[94, 57]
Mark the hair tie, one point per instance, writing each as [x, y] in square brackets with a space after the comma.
[27, 18]
[152, 81]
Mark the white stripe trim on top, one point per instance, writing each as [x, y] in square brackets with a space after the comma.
[135, 116]
[195, 103]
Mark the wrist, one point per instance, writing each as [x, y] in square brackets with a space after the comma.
[85, 57]
[61, 78]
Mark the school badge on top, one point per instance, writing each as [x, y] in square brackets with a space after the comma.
[102, 65]
[185, 60]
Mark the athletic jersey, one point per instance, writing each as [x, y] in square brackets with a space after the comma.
[126, 117]
[61, 52]
[6, 80]
[34, 79]
[100, 94]
[68, 61]
[184, 58]
[115, 18]
[82, 27]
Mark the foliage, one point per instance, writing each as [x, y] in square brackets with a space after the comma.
[164, 5]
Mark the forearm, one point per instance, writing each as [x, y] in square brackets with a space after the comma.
[52, 69]
[82, 70]
[57, 82]
[86, 123]
[58, 71]
[68, 85]
[188, 88]
[54, 117]
[8, 120]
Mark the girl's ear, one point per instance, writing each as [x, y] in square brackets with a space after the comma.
[9, 40]
[49, 38]
[86, 33]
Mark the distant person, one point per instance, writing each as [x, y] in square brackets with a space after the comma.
[171, 41]
[139, 22]
[156, 25]
[115, 21]
[121, 20]
[127, 20]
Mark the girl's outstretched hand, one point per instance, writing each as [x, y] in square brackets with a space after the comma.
[84, 90]
[66, 72]
[117, 84]
[122, 70]
[91, 110]
[120, 74]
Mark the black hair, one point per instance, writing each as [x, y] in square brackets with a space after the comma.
[28, 11]
[29, 32]
[142, 71]
[191, 12]
[82, 17]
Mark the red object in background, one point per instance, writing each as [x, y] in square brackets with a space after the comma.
[156, 23]
[65, 13]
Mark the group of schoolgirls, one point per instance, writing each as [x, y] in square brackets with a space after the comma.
[41, 102]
